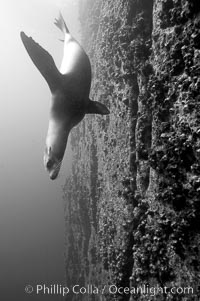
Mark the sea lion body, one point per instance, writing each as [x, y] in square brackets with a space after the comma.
[70, 89]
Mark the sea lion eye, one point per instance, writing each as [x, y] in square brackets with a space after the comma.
[49, 163]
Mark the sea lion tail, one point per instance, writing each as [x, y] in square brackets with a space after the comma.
[60, 23]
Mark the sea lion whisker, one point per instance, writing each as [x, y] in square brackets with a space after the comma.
[58, 165]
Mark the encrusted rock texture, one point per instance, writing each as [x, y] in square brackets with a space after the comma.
[132, 202]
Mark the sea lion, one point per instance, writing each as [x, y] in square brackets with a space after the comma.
[70, 88]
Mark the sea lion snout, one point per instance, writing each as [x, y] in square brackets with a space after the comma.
[52, 165]
[53, 175]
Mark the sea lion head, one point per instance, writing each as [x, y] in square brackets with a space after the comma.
[56, 142]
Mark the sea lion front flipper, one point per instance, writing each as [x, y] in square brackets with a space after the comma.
[43, 61]
[96, 107]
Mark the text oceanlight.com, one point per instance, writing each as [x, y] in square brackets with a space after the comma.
[58, 289]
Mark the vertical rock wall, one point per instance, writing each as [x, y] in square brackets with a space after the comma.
[133, 201]
[166, 241]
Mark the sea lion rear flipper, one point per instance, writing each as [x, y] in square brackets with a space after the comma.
[96, 107]
[43, 61]
[60, 23]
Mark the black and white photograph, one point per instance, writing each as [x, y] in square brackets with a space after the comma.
[100, 150]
